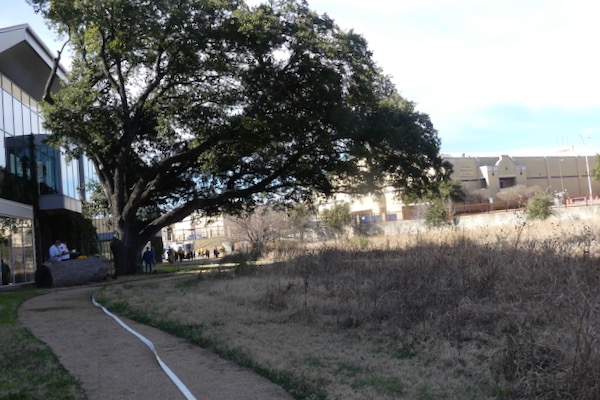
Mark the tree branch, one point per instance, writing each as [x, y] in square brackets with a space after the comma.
[47, 97]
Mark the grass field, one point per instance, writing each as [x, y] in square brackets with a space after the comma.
[506, 313]
[29, 370]
[487, 313]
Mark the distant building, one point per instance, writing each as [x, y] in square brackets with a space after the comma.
[554, 174]
[561, 175]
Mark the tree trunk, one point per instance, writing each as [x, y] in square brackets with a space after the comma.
[72, 272]
[126, 257]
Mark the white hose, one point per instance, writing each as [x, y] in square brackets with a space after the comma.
[184, 390]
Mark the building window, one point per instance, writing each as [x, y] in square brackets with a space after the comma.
[70, 176]
[7, 112]
[47, 169]
[507, 182]
[16, 250]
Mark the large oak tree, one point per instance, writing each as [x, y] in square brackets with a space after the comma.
[213, 105]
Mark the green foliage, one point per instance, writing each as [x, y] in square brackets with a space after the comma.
[360, 242]
[233, 106]
[300, 219]
[539, 207]
[436, 215]
[447, 190]
[97, 203]
[451, 190]
[440, 198]
[390, 386]
[337, 217]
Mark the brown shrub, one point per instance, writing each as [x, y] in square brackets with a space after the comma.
[528, 303]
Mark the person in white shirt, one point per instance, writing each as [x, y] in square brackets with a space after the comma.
[64, 251]
[55, 252]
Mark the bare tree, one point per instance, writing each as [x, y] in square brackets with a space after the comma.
[518, 193]
[263, 225]
[475, 196]
[301, 218]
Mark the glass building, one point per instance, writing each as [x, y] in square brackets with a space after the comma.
[41, 190]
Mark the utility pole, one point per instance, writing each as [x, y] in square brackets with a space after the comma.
[587, 169]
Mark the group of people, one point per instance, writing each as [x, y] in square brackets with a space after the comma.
[206, 252]
[181, 254]
[59, 251]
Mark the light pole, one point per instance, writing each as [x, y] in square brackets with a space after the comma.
[561, 178]
[587, 169]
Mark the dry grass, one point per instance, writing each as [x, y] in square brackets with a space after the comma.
[506, 313]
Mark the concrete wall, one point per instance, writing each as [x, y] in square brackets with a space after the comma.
[498, 218]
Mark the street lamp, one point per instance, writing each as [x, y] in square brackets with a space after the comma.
[587, 169]
[561, 177]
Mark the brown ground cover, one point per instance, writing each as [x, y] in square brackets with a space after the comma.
[454, 314]
[111, 363]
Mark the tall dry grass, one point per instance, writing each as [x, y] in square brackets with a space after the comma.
[483, 313]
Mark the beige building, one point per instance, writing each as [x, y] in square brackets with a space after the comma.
[556, 175]
[553, 174]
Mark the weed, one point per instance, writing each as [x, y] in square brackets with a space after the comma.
[498, 313]
[314, 362]
[389, 386]
[351, 369]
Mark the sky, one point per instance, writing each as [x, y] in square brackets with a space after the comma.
[517, 77]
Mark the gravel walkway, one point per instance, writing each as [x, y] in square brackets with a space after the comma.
[113, 364]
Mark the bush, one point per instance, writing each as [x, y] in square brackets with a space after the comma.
[245, 263]
[337, 217]
[518, 193]
[436, 215]
[539, 207]
[367, 229]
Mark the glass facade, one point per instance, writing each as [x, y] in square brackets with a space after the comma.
[20, 120]
[29, 167]
[21, 142]
[70, 177]
[21, 138]
[47, 169]
[16, 250]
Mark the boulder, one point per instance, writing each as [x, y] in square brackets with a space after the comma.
[78, 271]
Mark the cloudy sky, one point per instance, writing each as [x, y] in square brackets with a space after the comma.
[495, 76]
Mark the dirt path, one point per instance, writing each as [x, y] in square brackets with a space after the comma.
[113, 364]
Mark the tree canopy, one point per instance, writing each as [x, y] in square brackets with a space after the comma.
[213, 105]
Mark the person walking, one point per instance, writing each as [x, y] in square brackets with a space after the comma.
[148, 259]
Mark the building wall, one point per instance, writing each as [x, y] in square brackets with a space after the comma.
[19, 116]
[25, 64]
[553, 174]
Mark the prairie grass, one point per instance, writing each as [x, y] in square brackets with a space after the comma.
[488, 313]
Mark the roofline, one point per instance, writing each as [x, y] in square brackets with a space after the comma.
[38, 44]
